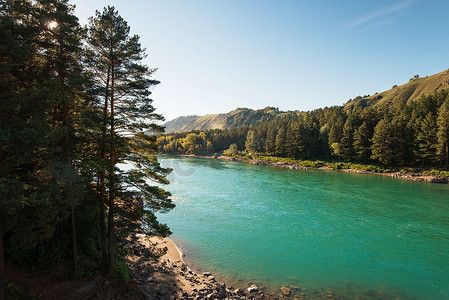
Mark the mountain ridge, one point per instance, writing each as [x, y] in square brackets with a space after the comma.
[233, 119]
[415, 88]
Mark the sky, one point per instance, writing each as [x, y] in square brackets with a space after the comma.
[215, 56]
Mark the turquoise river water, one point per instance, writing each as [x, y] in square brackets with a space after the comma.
[311, 228]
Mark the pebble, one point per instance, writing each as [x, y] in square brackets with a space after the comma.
[252, 288]
[285, 291]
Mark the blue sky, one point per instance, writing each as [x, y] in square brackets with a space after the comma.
[214, 56]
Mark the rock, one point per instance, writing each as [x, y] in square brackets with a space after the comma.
[163, 291]
[222, 292]
[252, 289]
[212, 296]
[207, 274]
[238, 291]
[150, 279]
[211, 278]
[285, 291]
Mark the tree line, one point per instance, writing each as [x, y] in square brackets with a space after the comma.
[412, 134]
[74, 107]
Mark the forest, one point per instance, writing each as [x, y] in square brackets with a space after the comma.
[400, 134]
[75, 105]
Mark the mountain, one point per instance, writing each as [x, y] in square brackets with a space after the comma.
[233, 119]
[410, 91]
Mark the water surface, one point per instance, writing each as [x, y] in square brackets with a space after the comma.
[311, 228]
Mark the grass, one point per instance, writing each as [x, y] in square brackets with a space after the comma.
[411, 90]
[436, 172]
[344, 165]
[320, 163]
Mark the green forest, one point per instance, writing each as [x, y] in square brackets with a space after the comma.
[401, 134]
[75, 106]
[79, 176]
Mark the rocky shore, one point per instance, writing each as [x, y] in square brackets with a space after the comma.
[169, 277]
[418, 177]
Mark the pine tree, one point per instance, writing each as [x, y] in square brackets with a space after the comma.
[362, 144]
[116, 59]
[26, 163]
[294, 140]
[443, 133]
[270, 142]
[382, 143]
[336, 122]
[62, 39]
[426, 139]
[251, 142]
[346, 143]
[17, 136]
[280, 142]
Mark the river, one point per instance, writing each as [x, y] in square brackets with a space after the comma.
[311, 229]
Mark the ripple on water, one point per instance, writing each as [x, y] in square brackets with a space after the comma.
[313, 229]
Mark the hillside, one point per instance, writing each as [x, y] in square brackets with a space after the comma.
[233, 119]
[239, 117]
[410, 91]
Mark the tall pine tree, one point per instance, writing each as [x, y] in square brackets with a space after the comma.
[124, 82]
[280, 142]
[443, 133]
[362, 143]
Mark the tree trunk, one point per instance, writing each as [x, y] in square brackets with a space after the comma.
[74, 245]
[2, 261]
[111, 261]
[72, 207]
[104, 255]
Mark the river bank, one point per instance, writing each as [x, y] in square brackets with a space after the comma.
[170, 277]
[411, 176]
[307, 231]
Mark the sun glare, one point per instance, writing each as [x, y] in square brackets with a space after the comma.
[52, 25]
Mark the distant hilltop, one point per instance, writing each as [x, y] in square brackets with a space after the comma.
[233, 119]
[414, 89]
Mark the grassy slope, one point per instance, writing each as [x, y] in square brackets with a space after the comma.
[410, 91]
[233, 119]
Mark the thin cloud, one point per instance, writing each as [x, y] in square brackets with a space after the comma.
[375, 15]
[382, 22]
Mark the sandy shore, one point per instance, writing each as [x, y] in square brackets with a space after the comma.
[169, 277]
